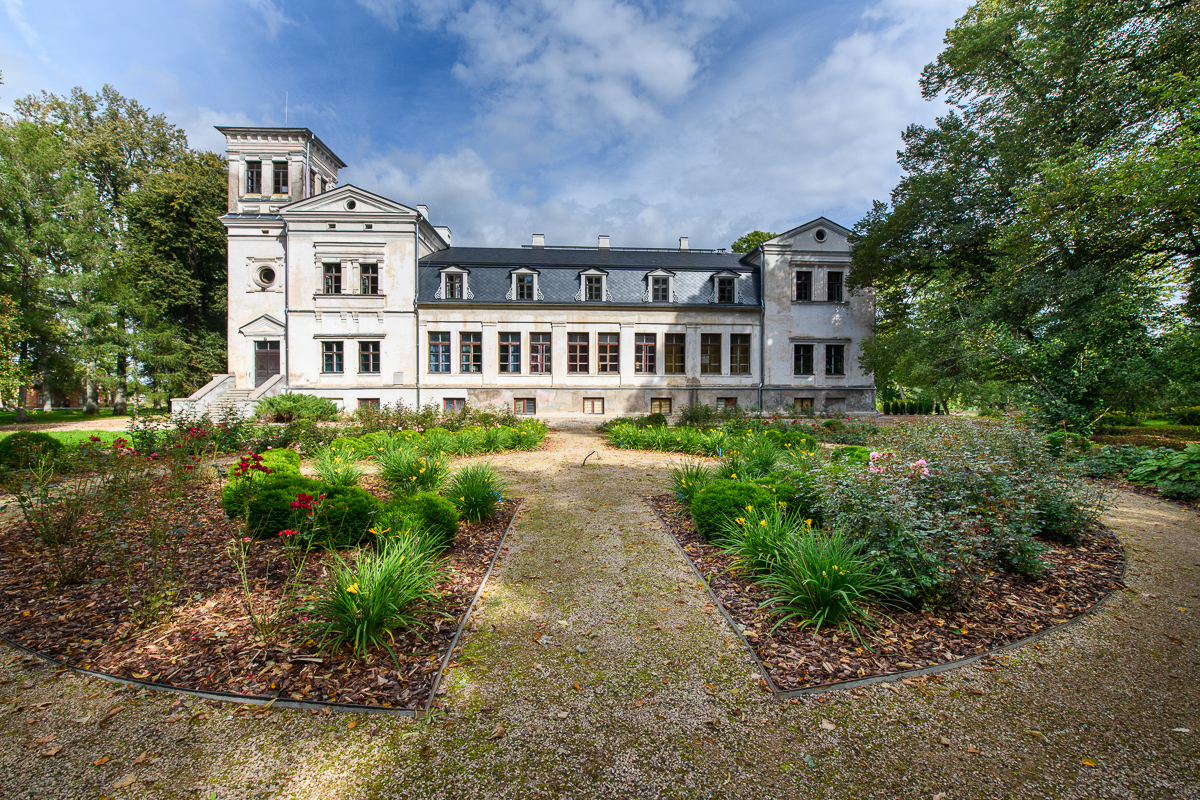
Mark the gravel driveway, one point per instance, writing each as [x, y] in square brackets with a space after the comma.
[597, 668]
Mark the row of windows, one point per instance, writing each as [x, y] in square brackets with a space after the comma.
[454, 287]
[608, 347]
[368, 278]
[333, 357]
[835, 359]
[804, 286]
[279, 172]
[591, 405]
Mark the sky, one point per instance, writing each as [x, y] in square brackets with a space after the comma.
[642, 120]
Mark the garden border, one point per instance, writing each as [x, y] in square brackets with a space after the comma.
[309, 705]
[892, 676]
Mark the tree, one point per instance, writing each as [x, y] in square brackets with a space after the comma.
[999, 259]
[751, 241]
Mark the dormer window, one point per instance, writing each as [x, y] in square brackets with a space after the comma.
[659, 287]
[593, 286]
[455, 285]
[725, 287]
[524, 285]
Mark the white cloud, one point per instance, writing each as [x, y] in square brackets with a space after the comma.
[16, 13]
[272, 16]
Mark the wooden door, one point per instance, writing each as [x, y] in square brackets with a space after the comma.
[266, 362]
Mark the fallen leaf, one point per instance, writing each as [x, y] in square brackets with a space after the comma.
[639, 703]
[142, 758]
[940, 796]
[496, 734]
[971, 749]
[563, 715]
[1087, 762]
[577, 687]
[45, 740]
[53, 751]
[126, 781]
[826, 725]
[1037, 735]
[1181, 730]
[944, 741]
[100, 762]
[352, 724]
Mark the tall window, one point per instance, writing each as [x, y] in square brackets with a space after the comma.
[331, 357]
[577, 352]
[525, 287]
[660, 290]
[368, 278]
[279, 172]
[725, 290]
[673, 353]
[802, 359]
[439, 352]
[835, 359]
[333, 279]
[710, 353]
[454, 287]
[510, 352]
[539, 352]
[739, 353]
[470, 348]
[833, 286]
[608, 357]
[643, 353]
[253, 177]
[804, 285]
[368, 357]
[593, 286]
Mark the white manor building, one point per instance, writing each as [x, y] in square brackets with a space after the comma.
[338, 292]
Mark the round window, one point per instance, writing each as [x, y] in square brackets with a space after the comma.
[266, 276]
[819, 235]
[350, 204]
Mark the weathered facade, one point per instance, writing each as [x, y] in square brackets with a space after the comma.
[338, 292]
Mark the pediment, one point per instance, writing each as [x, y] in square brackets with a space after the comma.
[725, 273]
[347, 200]
[454, 269]
[818, 234]
[660, 273]
[591, 271]
[265, 325]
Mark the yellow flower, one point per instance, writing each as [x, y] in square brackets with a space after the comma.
[740, 520]
[380, 533]
[762, 522]
[749, 508]
[463, 499]
[352, 588]
[735, 474]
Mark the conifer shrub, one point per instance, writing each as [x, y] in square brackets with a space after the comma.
[333, 516]
[725, 500]
[434, 512]
[23, 448]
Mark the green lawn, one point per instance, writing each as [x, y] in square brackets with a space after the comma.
[74, 437]
[38, 417]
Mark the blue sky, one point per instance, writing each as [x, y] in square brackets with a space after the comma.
[645, 121]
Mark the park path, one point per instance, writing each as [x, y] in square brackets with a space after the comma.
[596, 668]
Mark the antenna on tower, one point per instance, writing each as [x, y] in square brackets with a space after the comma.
[285, 99]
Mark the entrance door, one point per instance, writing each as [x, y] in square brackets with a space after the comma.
[266, 362]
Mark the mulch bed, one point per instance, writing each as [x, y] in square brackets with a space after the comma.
[1004, 609]
[208, 643]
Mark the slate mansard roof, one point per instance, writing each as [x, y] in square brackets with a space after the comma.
[559, 268]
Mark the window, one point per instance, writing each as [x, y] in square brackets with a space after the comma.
[833, 287]
[524, 287]
[660, 290]
[331, 357]
[470, 349]
[324, 185]
[454, 287]
[739, 353]
[660, 405]
[333, 279]
[803, 404]
[279, 172]
[253, 177]
[643, 353]
[510, 352]
[593, 405]
[726, 402]
[539, 352]
[835, 359]
[593, 287]
[608, 357]
[524, 405]
[673, 353]
[802, 359]
[804, 285]
[725, 293]
[368, 275]
[453, 405]
[368, 357]
[439, 352]
[710, 353]
[577, 352]
[368, 402]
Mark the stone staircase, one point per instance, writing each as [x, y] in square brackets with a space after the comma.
[233, 398]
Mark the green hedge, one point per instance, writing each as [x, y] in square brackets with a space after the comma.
[344, 519]
[725, 500]
[433, 512]
[21, 449]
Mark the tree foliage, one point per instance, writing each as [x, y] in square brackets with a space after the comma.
[1044, 227]
[751, 241]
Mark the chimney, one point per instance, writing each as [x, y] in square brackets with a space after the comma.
[539, 240]
[603, 242]
[423, 211]
[683, 243]
[443, 232]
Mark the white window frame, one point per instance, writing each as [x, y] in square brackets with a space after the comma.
[581, 295]
[440, 294]
[512, 288]
[716, 287]
[659, 273]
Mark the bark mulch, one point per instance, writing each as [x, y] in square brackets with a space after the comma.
[1004, 609]
[208, 642]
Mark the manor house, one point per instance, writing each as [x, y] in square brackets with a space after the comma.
[338, 292]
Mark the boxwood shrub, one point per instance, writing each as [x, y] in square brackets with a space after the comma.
[236, 491]
[345, 515]
[725, 500]
[20, 450]
[434, 512]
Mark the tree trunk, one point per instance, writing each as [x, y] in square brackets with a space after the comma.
[91, 404]
[22, 414]
[48, 404]
[119, 404]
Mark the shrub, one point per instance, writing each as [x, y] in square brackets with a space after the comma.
[252, 470]
[1112, 459]
[360, 604]
[335, 516]
[1185, 415]
[758, 538]
[22, 449]
[337, 469]
[697, 414]
[288, 407]
[1060, 443]
[796, 490]
[725, 500]
[822, 579]
[475, 490]
[690, 478]
[850, 454]
[435, 513]
[1175, 474]
[408, 471]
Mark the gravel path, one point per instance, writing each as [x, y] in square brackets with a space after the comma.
[597, 668]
